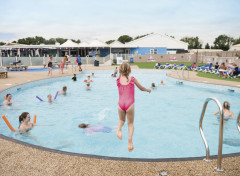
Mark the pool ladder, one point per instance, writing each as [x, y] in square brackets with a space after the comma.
[207, 159]
[238, 121]
[219, 160]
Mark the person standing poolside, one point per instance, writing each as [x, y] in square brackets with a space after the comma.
[116, 71]
[125, 85]
[226, 111]
[79, 61]
[50, 65]
[8, 100]
[62, 63]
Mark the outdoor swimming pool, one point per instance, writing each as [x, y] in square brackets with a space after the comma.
[166, 121]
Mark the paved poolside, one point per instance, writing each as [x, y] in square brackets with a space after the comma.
[17, 159]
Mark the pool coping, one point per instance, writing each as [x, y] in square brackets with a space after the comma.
[108, 157]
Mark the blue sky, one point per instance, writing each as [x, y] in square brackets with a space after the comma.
[109, 19]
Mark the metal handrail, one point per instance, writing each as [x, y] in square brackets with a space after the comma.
[219, 161]
[238, 120]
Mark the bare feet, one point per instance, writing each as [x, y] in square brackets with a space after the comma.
[130, 145]
[119, 134]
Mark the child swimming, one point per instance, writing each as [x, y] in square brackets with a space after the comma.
[153, 86]
[88, 86]
[24, 122]
[227, 114]
[74, 78]
[125, 85]
[98, 128]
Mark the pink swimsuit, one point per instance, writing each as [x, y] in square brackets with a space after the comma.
[126, 94]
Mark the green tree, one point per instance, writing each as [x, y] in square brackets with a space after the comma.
[237, 41]
[14, 41]
[109, 42]
[51, 41]
[76, 41]
[38, 40]
[2, 43]
[141, 36]
[193, 42]
[207, 46]
[125, 38]
[223, 42]
[61, 40]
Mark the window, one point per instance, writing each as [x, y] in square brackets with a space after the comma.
[153, 51]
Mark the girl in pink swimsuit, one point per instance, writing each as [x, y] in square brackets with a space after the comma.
[125, 85]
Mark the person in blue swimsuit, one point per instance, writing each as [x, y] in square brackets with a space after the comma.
[79, 61]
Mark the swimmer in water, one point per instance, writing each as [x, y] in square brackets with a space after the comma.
[162, 83]
[64, 91]
[74, 78]
[8, 100]
[97, 128]
[226, 111]
[153, 86]
[88, 86]
[49, 98]
[24, 122]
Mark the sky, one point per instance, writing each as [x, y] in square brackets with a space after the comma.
[108, 19]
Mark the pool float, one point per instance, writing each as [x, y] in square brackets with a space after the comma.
[87, 80]
[5, 97]
[54, 97]
[10, 126]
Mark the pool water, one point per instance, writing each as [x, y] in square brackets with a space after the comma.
[166, 120]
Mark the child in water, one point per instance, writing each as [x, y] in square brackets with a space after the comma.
[125, 85]
[154, 86]
[88, 86]
[162, 83]
[92, 129]
[49, 98]
[74, 78]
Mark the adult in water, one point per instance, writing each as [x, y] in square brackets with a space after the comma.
[98, 128]
[24, 122]
[8, 100]
[64, 91]
[226, 111]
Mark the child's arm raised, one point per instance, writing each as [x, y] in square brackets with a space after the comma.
[141, 87]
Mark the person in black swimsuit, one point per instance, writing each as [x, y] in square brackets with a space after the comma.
[50, 65]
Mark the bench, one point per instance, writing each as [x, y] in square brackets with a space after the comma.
[3, 74]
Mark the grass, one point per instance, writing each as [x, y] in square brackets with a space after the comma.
[214, 76]
[150, 65]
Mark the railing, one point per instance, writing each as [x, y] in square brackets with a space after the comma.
[238, 120]
[219, 160]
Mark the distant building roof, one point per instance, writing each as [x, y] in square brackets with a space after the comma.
[157, 40]
[234, 47]
[117, 44]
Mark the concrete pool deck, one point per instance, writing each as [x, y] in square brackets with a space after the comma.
[17, 159]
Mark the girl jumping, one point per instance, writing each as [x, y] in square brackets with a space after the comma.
[125, 85]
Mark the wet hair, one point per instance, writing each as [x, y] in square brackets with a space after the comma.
[49, 95]
[226, 105]
[125, 69]
[153, 85]
[88, 84]
[64, 87]
[74, 74]
[7, 95]
[83, 125]
[22, 116]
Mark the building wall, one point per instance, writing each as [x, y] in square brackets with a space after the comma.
[104, 52]
[144, 51]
